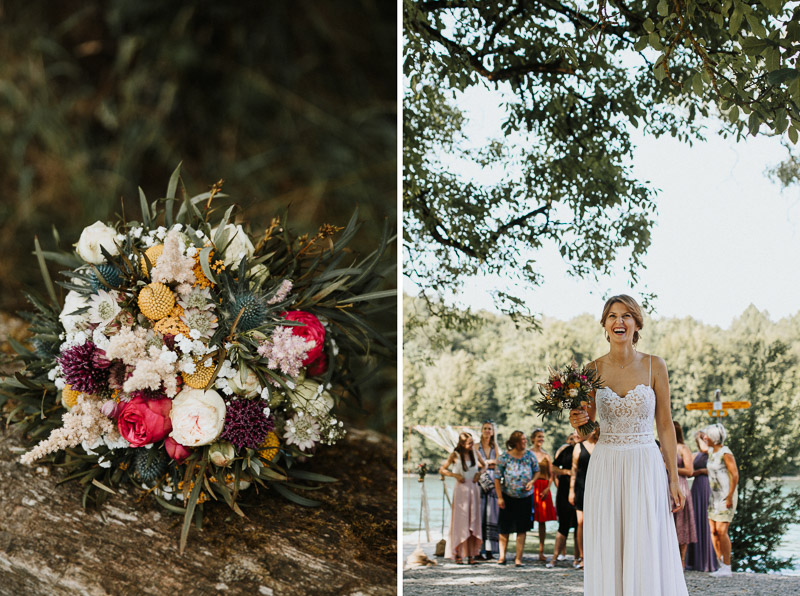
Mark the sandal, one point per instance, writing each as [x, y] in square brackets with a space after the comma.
[578, 564]
[501, 561]
[459, 561]
[471, 561]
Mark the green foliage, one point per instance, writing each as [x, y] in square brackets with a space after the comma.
[765, 443]
[572, 79]
[498, 366]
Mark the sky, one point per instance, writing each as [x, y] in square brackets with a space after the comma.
[726, 236]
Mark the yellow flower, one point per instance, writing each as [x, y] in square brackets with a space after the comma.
[69, 397]
[156, 301]
[152, 255]
[202, 374]
[269, 448]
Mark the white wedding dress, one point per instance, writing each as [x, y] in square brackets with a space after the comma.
[629, 540]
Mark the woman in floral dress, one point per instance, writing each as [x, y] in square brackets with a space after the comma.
[723, 476]
[518, 469]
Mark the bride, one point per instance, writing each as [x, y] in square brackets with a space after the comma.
[629, 532]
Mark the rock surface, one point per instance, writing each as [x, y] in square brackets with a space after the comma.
[50, 545]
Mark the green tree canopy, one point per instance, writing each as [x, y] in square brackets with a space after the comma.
[572, 78]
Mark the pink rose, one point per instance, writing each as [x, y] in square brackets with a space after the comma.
[176, 451]
[142, 421]
[312, 331]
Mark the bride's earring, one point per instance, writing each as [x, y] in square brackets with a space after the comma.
[608, 339]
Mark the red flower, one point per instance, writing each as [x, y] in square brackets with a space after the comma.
[142, 421]
[319, 367]
[176, 451]
[311, 330]
[556, 384]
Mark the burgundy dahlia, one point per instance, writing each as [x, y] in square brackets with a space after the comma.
[80, 369]
[148, 393]
[246, 425]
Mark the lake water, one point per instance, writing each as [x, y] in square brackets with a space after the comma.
[439, 516]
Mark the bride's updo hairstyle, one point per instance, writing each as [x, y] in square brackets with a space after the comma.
[632, 306]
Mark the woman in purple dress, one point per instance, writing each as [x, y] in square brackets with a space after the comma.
[701, 556]
[684, 519]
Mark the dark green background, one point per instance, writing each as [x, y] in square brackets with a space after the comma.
[291, 103]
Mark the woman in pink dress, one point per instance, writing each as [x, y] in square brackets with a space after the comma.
[684, 519]
[465, 521]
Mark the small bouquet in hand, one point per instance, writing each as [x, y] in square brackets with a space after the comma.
[568, 389]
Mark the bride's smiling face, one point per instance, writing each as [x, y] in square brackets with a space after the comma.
[620, 323]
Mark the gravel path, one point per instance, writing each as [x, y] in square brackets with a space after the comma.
[490, 579]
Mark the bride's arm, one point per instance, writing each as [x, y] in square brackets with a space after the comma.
[666, 430]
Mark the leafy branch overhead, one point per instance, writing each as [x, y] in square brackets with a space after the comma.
[572, 79]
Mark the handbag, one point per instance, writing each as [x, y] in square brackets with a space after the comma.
[486, 482]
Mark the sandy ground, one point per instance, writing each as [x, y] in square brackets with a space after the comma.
[491, 579]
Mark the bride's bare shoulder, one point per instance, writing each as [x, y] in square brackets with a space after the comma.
[657, 362]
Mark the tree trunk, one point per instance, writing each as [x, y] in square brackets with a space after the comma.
[50, 545]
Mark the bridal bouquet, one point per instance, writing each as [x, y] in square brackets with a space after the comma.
[568, 389]
[192, 359]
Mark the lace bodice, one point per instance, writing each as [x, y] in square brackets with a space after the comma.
[626, 421]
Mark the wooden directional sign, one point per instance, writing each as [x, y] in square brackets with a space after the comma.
[718, 408]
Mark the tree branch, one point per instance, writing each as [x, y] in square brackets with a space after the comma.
[518, 221]
[433, 223]
[493, 75]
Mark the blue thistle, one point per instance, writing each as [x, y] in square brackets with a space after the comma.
[150, 464]
[254, 313]
[111, 274]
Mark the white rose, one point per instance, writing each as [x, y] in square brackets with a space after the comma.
[313, 400]
[245, 383]
[573, 393]
[237, 247]
[72, 302]
[221, 454]
[197, 417]
[92, 238]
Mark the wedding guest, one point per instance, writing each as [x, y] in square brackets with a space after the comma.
[684, 519]
[701, 556]
[465, 519]
[543, 509]
[581, 454]
[518, 469]
[490, 451]
[567, 518]
[723, 477]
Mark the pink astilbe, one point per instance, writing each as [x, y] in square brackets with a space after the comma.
[84, 422]
[285, 351]
[128, 345]
[150, 372]
[282, 293]
[172, 265]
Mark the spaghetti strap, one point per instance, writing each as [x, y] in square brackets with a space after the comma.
[650, 373]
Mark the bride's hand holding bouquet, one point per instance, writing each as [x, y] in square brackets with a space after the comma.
[571, 388]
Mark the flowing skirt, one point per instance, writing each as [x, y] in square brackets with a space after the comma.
[543, 509]
[465, 522]
[684, 519]
[629, 534]
[489, 515]
[701, 556]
